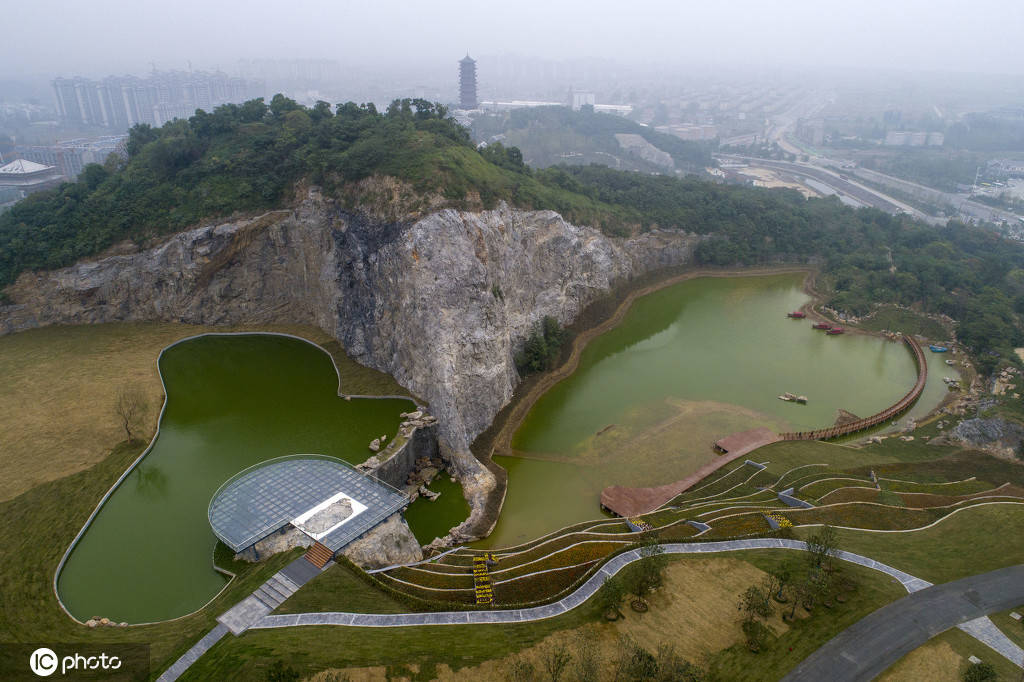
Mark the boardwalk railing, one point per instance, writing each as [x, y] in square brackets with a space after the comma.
[875, 419]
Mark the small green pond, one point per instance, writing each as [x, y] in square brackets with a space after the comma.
[689, 364]
[429, 520]
[233, 401]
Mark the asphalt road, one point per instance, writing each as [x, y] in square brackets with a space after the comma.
[865, 649]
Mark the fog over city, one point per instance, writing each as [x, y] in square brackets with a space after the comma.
[123, 36]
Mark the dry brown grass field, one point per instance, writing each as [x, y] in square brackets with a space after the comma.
[936, 661]
[60, 386]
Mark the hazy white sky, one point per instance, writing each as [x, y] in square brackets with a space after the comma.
[101, 36]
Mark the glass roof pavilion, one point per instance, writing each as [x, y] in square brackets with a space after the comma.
[265, 498]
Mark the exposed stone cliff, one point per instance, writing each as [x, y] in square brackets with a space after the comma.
[441, 303]
[999, 436]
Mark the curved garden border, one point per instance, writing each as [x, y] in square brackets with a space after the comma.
[152, 441]
[584, 592]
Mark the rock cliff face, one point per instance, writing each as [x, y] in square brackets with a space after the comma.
[442, 303]
[995, 435]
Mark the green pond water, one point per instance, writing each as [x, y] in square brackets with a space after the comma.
[690, 364]
[429, 520]
[233, 401]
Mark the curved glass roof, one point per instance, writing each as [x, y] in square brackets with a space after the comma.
[267, 497]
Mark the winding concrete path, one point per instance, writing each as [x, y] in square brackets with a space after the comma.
[584, 592]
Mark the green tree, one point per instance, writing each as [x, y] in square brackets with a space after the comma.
[612, 594]
[822, 547]
[979, 672]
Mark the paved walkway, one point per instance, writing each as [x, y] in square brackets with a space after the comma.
[584, 592]
[179, 667]
[871, 645]
[242, 615]
[909, 582]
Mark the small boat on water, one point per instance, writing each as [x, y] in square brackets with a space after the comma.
[835, 330]
[821, 325]
[797, 315]
[793, 398]
[938, 349]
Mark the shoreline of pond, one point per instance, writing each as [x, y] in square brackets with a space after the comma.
[497, 439]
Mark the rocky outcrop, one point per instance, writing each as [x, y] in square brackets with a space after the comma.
[389, 543]
[441, 303]
[285, 539]
[995, 435]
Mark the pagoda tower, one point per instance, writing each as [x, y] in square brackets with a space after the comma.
[467, 83]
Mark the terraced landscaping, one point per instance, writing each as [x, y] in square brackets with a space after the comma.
[912, 492]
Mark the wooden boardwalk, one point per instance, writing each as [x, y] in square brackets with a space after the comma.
[874, 420]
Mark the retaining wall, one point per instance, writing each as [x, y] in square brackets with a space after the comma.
[395, 469]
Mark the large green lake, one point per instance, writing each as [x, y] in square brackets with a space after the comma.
[233, 401]
[689, 364]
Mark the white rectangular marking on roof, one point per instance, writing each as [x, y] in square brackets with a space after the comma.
[357, 509]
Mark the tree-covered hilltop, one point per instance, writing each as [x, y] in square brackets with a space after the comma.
[556, 135]
[250, 157]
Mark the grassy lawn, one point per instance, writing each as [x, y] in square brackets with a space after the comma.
[944, 657]
[311, 649]
[38, 532]
[340, 589]
[804, 635]
[786, 455]
[1014, 629]
[969, 542]
[60, 387]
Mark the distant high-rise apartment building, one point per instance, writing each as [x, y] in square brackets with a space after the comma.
[905, 138]
[467, 83]
[119, 102]
[70, 156]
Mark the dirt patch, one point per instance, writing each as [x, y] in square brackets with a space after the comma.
[694, 611]
[375, 674]
[60, 386]
[935, 662]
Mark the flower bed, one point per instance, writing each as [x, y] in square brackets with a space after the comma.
[781, 520]
[464, 597]
[737, 526]
[425, 579]
[843, 495]
[543, 587]
[951, 488]
[565, 557]
[739, 509]
[676, 532]
[868, 516]
[727, 478]
[823, 486]
[932, 500]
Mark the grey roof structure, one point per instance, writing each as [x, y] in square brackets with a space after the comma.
[266, 497]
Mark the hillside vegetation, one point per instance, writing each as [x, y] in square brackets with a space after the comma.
[244, 158]
[553, 135]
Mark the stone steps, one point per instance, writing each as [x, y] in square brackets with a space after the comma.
[275, 591]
